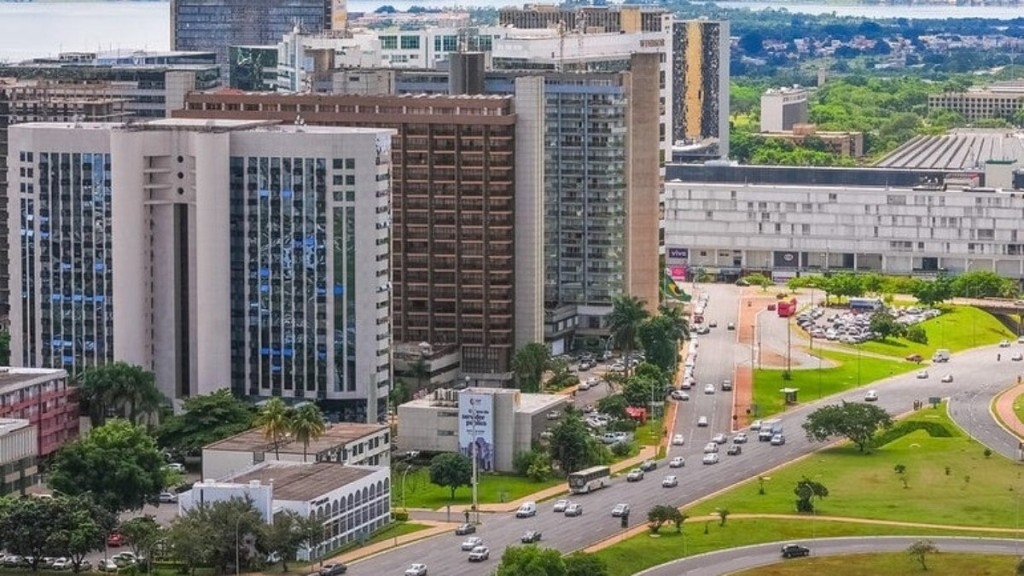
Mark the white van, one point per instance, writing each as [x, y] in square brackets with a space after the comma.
[941, 355]
[526, 510]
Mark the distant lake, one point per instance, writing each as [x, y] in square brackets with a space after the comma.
[35, 29]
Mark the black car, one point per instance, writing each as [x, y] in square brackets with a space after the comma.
[333, 569]
[795, 551]
[648, 465]
[464, 529]
[531, 536]
[734, 450]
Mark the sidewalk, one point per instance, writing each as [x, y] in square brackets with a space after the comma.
[1003, 410]
[642, 527]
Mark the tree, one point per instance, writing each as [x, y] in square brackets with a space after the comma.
[901, 472]
[420, 372]
[191, 540]
[5, 347]
[216, 533]
[884, 325]
[920, 549]
[141, 532]
[561, 375]
[759, 280]
[452, 471]
[660, 336]
[307, 425]
[722, 514]
[275, 420]
[846, 284]
[934, 292]
[529, 364]
[614, 406]
[857, 421]
[624, 321]
[289, 533]
[1020, 564]
[79, 528]
[531, 560]
[916, 334]
[806, 491]
[118, 388]
[25, 526]
[983, 284]
[573, 447]
[661, 514]
[206, 419]
[583, 564]
[642, 390]
[118, 463]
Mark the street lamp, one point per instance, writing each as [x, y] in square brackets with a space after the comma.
[408, 467]
[238, 525]
[149, 557]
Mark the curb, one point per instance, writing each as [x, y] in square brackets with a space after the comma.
[994, 412]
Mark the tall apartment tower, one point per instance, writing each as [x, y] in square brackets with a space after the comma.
[461, 278]
[700, 74]
[245, 254]
[213, 25]
[782, 108]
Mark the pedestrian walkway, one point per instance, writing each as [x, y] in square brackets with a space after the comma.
[642, 528]
[387, 545]
[1002, 407]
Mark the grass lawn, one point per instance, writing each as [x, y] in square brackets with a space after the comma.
[949, 480]
[391, 532]
[891, 563]
[958, 328]
[650, 433]
[814, 384]
[1018, 408]
[644, 551]
[493, 489]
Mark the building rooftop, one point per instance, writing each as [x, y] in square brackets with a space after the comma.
[447, 398]
[964, 149]
[303, 482]
[8, 425]
[334, 435]
[12, 379]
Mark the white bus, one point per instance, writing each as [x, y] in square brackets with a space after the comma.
[586, 481]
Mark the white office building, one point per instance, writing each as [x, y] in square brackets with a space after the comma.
[785, 229]
[215, 253]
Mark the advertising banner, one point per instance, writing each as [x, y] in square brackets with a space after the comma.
[476, 428]
[677, 254]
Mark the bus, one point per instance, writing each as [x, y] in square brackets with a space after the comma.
[865, 304]
[586, 481]
[786, 309]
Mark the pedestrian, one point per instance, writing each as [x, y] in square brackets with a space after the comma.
[999, 357]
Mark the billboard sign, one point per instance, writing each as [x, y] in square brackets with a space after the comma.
[678, 254]
[476, 427]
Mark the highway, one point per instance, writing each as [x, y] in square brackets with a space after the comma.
[747, 557]
[977, 376]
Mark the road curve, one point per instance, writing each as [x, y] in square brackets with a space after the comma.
[747, 557]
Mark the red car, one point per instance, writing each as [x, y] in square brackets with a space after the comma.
[115, 540]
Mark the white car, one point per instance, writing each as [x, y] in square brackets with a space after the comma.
[560, 506]
[755, 425]
[680, 395]
[620, 510]
[947, 378]
[702, 421]
[416, 570]
[709, 388]
[1017, 357]
[711, 447]
[740, 438]
[778, 440]
[711, 458]
[677, 462]
[922, 375]
[176, 467]
[720, 438]
[471, 542]
[1004, 343]
[670, 482]
[479, 554]
[678, 440]
[871, 396]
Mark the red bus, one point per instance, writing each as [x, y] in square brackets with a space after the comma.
[786, 309]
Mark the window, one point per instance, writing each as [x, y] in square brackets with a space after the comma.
[410, 42]
[389, 42]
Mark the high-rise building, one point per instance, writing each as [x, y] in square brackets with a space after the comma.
[783, 108]
[213, 25]
[463, 213]
[246, 254]
[700, 74]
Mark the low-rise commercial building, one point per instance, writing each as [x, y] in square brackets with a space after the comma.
[493, 423]
[46, 399]
[352, 502]
[343, 443]
[18, 455]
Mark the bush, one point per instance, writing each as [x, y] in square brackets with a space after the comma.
[622, 449]
[523, 461]
[917, 334]
[934, 429]
[628, 425]
[400, 515]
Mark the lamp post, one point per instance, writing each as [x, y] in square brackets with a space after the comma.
[408, 467]
[149, 552]
[238, 524]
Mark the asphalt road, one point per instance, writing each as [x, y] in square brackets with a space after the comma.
[977, 376]
[747, 557]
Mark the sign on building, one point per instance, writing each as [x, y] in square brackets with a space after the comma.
[476, 427]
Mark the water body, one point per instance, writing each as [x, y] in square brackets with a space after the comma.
[37, 29]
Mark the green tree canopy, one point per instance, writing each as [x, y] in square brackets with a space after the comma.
[307, 425]
[118, 389]
[141, 532]
[118, 463]
[884, 325]
[583, 564]
[660, 335]
[531, 561]
[289, 533]
[452, 471]
[857, 421]
[206, 419]
[529, 364]
[624, 321]
[573, 447]
[937, 291]
[983, 284]
[275, 419]
[79, 528]
[806, 491]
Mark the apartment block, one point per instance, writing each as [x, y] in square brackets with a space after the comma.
[1001, 100]
[783, 108]
[44, 398]
[18, 458]
[456, 212]
[246, 254]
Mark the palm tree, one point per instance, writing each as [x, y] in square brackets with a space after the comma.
[627, 314]
[420, 371]
[529, 364]
[118, 387]
[275, 420]
[680, 326]
[307, 425]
